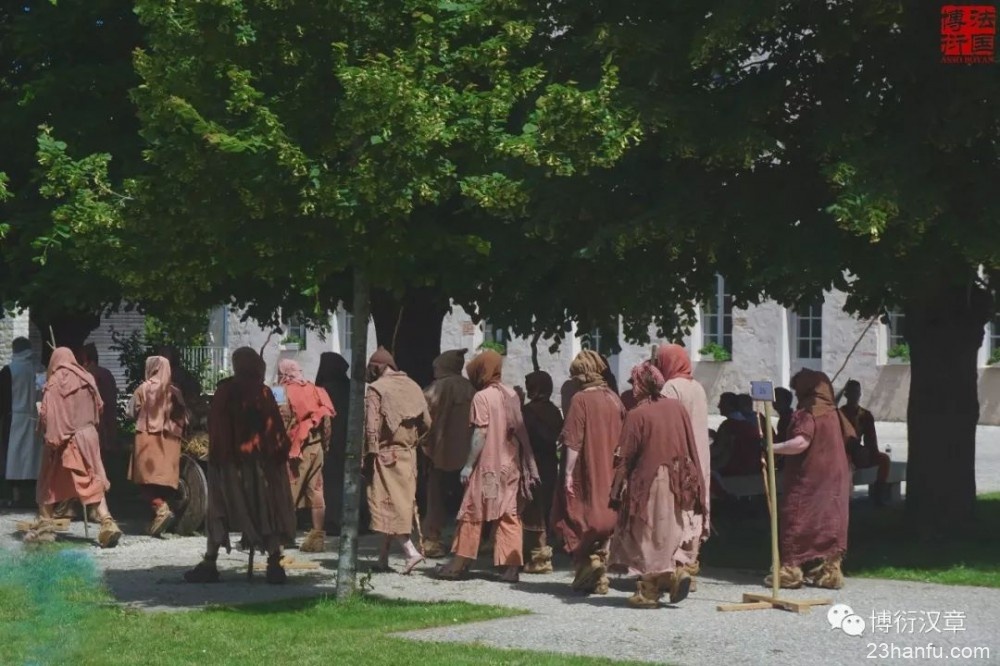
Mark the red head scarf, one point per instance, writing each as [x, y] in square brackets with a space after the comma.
[673, 362]
[59, 415]
[647, 381]
[485, 370]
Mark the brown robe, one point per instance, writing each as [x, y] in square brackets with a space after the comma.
[396, 417]
[449, 399]
[543, 422]
[593, 428]
[248, 489]
[663, 508]
[817, 488]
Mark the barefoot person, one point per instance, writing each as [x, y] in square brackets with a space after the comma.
[71, 462]
[449, 398]
[543, 422]
[160, 418]
[813, 509]
[308, 413]
[248, 489]
[590, 435]
[675, 366]
[396, 418]
[500, 467]
[658, 487]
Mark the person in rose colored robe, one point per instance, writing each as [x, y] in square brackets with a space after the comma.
[160, 419]
[675, 366]
[590, 435]
[72, 467]
[658, 487]
[500, 470]
[813, 509]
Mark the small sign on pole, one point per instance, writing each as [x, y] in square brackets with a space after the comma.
[762, 391]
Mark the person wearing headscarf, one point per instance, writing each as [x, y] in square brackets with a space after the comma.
[659, 490]
[783, 406]
[543, 422]
[590, 434]
[675, 366]
[307, 412]
[449, 398]
[499, 473]
[71, 463]
[813, 509]
[332, 377]
[160, 419]
[21, 453]
[396, 418]
[248, 488]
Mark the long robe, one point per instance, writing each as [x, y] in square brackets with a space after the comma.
[593, 427]
[662, 514]
[813, 509]
[449, 399]
[492, 490]
[156, 456]
[692, 395]
[543, 422]
[24, 444]
[248, 489]
[396, 417]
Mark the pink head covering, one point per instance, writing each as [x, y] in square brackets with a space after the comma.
[154, 393]
[647, 381]
[673, 362]
[61, 416]
[289, 372]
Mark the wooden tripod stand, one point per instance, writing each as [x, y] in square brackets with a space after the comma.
[762, 601]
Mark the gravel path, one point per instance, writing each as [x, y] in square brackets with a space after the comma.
[146, 573]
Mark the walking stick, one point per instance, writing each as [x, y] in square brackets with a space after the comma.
[250, 566]
[86, 523]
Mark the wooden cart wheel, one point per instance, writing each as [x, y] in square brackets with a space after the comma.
[192, 497]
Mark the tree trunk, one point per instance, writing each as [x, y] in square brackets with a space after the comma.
[70, 330]
[347, 562]
[411, 329]
[944, 331]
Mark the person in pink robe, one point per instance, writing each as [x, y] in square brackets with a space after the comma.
[659, 490]
[500, 468]
[72, 468]
[675, 366]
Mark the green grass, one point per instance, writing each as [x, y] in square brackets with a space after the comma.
[53, 610]
[879, 546]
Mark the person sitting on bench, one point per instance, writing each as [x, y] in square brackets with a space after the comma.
[863, 451]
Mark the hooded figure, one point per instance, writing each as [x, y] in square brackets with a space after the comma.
[675, 366]
[307, 412]
[544, 422]
[813, 509]
[499, 473]
[332, 377]
[71, 462]
[160, 418]
[396, 418]
[446, 446]
[248, 489]
[580, 512]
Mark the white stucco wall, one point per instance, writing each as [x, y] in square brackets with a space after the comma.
[763, 348]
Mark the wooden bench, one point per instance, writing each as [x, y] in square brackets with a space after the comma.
[752, 485]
